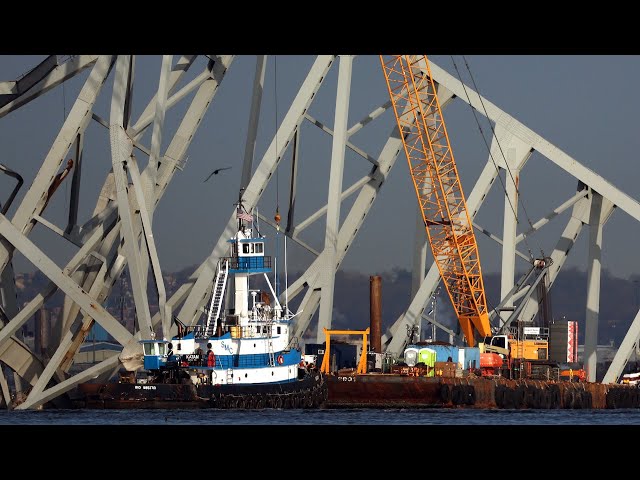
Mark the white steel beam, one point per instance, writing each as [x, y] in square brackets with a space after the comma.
[517, 153]
[599, 213]
[173, 155]
[32, 253]
[624, 350]
[121, 150]
[557, 211]
[370, 158]
[197, 297]
[35, 199]
[254, 116]
[4, 389]
[567, 240]
[55, 77]
[63, 347]
[70, 383]
[181, 67]
[529, 137]
[333, 201]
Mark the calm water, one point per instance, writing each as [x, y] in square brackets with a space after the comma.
[399, 417]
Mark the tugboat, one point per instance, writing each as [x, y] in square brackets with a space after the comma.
[236, 357]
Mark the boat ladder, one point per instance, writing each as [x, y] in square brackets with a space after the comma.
[272, 360]
[229, 376]
[217, 296]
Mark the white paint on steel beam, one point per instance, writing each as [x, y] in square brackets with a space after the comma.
[198, 295]
[369, 118]
[622, 355]
[353, 220]
[254, 116]
[181, 67]
[105, 124]
[34, 200]
[63, 347]
[307, 309]
[156, 134]
[121, 148]
[32, 253]
[370, 158]
[17, 356]
[59, 74]
[480, 229]
[547, 218]
[222, 63]
[176, 149]
[4, 389]
[559, 255]
[528, 136]
[26, 313]
[149, 242]
[599, 213]
[70, 383]
[292, 237]
[517, 153]
[333, 200]
[9, 88]
[420, 246]
[322, 210]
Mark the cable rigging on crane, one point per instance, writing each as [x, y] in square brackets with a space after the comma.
[438, 188]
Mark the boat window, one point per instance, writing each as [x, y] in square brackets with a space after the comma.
[259, 247]
[278, 330]
[179, 346]
[162, 348]
[245, 248]
[148, 348]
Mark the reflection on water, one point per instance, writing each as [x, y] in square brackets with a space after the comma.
[322, 417]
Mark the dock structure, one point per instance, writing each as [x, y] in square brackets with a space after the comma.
[150, 149]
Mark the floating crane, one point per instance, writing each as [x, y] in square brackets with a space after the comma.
[438, 188]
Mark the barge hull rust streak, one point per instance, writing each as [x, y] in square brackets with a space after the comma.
[403, 391]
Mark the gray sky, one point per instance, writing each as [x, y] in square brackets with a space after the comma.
[584, 105]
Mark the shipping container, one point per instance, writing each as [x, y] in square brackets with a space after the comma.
[445, 353]
[468, 358]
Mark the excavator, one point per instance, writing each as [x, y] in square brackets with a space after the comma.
[438, 188]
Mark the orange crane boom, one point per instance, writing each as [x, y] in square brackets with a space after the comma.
[438, 189]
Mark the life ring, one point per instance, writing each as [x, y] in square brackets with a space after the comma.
[280, 359]
[301, 364]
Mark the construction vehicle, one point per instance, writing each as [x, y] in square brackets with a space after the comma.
[446, 218]
[438, 188]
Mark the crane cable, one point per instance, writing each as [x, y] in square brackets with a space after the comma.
[518, 199]
[277, 214]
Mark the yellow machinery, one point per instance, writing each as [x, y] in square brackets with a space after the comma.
[438, 189]
[326, 360]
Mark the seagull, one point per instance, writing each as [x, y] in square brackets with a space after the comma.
[215, 172]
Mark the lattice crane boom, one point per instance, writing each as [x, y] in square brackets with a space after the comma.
[438, 188]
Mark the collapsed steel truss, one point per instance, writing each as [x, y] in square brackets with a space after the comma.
[119, 233]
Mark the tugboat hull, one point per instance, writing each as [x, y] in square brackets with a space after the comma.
[307, 392]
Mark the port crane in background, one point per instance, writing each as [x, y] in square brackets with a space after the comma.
[438, 188]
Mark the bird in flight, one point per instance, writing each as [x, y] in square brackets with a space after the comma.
[215, 172]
